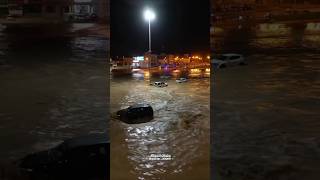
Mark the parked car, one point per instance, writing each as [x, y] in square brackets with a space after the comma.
[82, 157]
[181, 80]
[159, 84]
[138, 113]
[225, 60]
[82, 17]
[12, 17]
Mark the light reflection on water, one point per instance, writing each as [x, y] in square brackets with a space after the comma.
[180, 127]
[267, 110]
[45, 98]
[267, 36]
[166, 74]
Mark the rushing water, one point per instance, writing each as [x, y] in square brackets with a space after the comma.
[52, 88]
[265, 114]
[180, 128]
[271, 37]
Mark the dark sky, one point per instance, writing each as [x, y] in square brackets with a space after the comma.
[181, 26]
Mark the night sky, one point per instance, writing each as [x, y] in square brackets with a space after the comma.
[181, 26]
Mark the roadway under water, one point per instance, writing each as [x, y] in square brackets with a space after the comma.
[53, 87]
[180, 128]
[265, 115]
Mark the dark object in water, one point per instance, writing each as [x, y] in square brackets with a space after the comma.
[159, 84]
[84, 157]
[138, 113]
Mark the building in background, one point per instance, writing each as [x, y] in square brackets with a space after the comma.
[38, 8]
[92, 8]
[121, 65]
[150, 60]
[84, 7]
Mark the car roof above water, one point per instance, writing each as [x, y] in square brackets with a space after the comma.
[139, 105]
[230, 54]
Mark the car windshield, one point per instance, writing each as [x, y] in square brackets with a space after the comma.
[234, 57]
[62, 147]
[222, 57]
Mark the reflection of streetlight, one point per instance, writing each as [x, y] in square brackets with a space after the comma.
[149, 16]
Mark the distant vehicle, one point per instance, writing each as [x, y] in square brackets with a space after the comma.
[159, 84]
[138, 113]
[225, 60]
[82, 16]
[85, 16]
[181, 80]
[12, 17]
[82, 157]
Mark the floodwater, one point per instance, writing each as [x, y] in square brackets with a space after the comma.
[53, 87]
[266, 37]
[265, 115]
[180, 129]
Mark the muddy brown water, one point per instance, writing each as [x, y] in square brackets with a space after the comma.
[265, 115]
[180, 129]
[51, 89]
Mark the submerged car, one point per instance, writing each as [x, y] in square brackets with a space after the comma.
[226, 60]
[159, 84]
[181, 80]
[82, 157]
[136, 114]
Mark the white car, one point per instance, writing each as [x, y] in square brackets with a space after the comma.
[181, 80]
[226, 60]
[159, 84]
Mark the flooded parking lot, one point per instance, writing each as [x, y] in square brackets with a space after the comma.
[52, 88]
[180, 129]
[265, 117]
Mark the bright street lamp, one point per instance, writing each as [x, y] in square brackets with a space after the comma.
[149, 16]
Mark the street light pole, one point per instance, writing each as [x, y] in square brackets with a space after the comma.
[149, 16]
[149, 35]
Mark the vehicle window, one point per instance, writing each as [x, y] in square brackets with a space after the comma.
[223, 58]
[234, 57]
